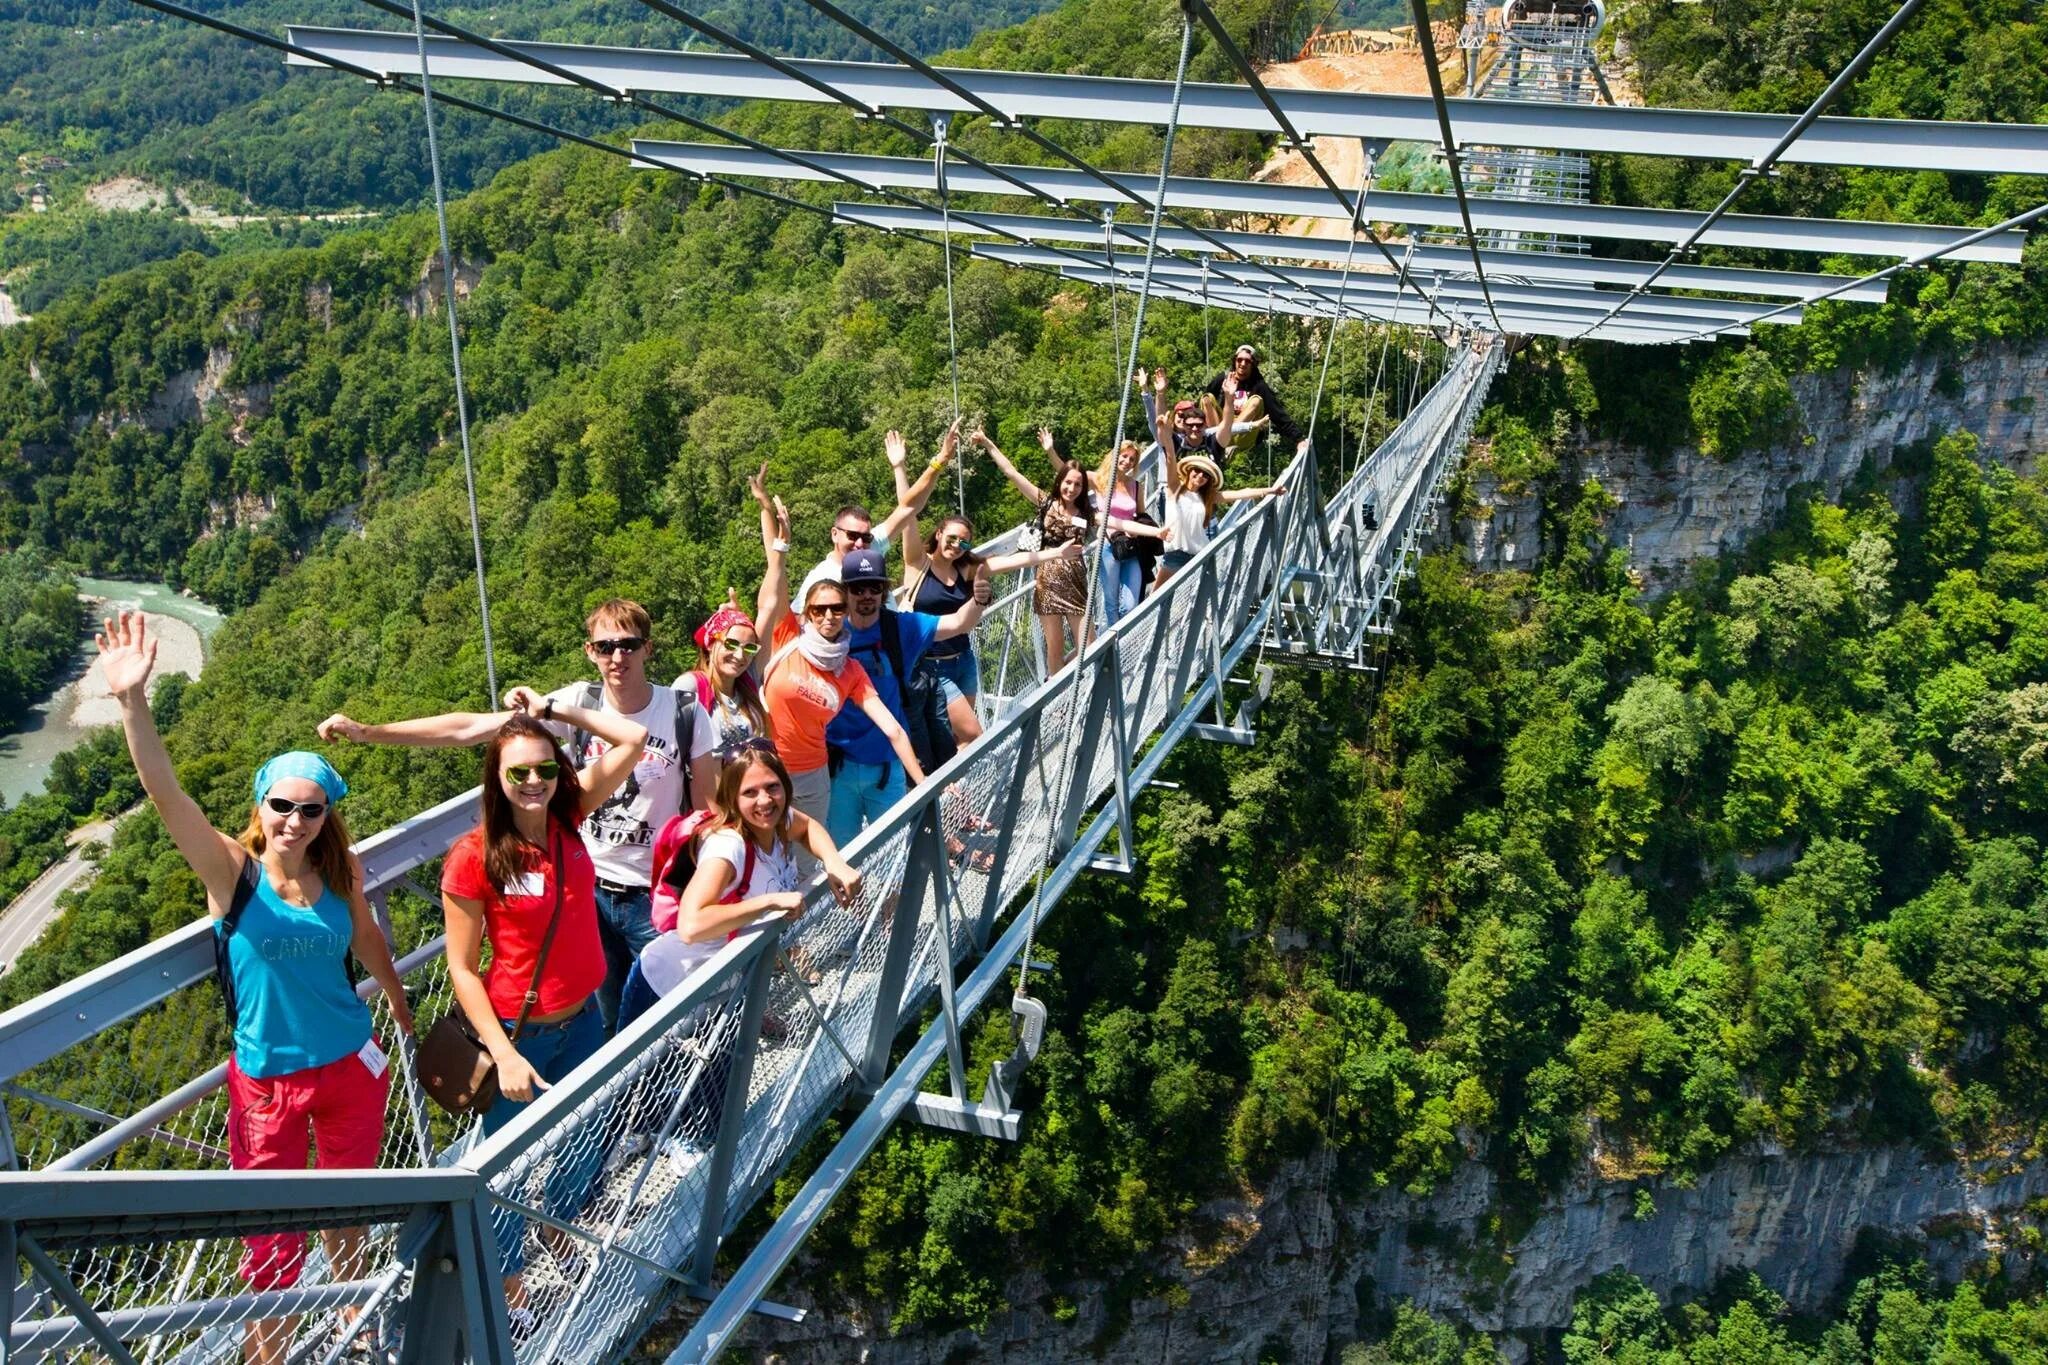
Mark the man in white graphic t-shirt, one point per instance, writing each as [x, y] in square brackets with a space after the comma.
[620, 833]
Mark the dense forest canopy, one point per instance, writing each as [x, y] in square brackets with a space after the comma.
[40, 616]
[1759, 861]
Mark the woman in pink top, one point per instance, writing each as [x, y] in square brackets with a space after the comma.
[1123, 570]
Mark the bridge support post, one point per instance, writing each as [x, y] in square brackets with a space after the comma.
[1120, 737]
[918, 873]
[456, 1310]
[718, 1167]
[1074, 800]
[1006, 832]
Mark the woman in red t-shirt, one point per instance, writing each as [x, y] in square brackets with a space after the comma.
[501, 882]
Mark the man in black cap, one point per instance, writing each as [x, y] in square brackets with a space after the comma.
[1240, 395]
[867, 777]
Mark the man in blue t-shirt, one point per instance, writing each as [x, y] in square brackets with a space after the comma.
[867, 777]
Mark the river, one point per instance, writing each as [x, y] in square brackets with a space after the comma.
[60, 722]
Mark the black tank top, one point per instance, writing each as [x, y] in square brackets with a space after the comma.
[940, 600]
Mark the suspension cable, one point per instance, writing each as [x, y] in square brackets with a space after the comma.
[1123, 409]
[476, 535]
[1761, 167]
[1371, 159]
[952, 330]
[1452, 156]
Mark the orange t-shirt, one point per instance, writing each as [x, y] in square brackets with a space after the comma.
[802, 699]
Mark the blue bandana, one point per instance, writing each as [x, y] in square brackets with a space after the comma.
[299, 763]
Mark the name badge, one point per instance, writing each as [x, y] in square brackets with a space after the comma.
[373, 1057]
[529, 884]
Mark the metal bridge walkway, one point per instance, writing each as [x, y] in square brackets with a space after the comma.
[127, 1219]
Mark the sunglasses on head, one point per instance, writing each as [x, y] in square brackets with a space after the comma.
[826, 609]
[857, 537]
[527, 772]
[625, 644]
[746, 647]
[308, 810]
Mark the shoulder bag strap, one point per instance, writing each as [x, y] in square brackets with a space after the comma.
[548, 941]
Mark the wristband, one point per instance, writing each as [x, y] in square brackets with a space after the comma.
[779, 545]
[938, 462]
[547, 709]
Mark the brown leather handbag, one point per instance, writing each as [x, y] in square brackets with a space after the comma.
[455, 1067]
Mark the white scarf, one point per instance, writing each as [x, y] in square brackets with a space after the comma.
[828, 655]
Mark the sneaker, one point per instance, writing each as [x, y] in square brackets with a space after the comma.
[683, 1154]
[627, 1150]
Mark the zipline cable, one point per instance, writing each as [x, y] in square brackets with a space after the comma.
[1123, 410]
[476, 535]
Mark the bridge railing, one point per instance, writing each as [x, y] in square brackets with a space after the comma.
[616, 1187]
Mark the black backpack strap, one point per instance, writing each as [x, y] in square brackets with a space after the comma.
[223, 964]
[686, 740]
[892, 645]
[590, 698]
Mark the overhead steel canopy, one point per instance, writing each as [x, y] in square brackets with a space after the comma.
[1822, 236]
[1887, 144]
[1644, 331]
[1335, 283]
[1506, 265]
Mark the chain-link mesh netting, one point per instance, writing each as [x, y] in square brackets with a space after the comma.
[600, 1204]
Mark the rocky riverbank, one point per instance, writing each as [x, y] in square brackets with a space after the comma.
[178, 650]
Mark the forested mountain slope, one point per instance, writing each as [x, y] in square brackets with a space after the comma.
[1510, 903]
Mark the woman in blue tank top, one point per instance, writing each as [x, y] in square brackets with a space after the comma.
[305, 1066]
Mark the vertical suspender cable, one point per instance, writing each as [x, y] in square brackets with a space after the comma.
[1206, 361]
[476, 535]
[952, 333]
[1123, 412]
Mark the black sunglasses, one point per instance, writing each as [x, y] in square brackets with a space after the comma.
[857, 537]
[526, 772]
[625, 644]
[308, 810]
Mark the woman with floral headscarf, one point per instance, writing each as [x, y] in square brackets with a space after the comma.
[306, 1068]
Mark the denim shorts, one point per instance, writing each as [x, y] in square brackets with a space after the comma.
[1177, 560]
[959, 676]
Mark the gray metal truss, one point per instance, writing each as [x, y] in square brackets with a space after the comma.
[1427, 260]
[1821, 236]
[1890, 144]
[1378, 285]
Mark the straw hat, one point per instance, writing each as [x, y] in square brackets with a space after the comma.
[1206, 465]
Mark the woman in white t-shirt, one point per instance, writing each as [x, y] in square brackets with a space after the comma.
[745, 867]
[745, 860]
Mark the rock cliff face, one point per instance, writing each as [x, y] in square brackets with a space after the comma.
[1294, 1268]
[1686, 506]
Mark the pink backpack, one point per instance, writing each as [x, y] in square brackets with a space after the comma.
[675, 862]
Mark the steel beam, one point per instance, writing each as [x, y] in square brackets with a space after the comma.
[1529, 296]
[1509, 266]
[1518, 320]
[1887, 144]
[1824, 236]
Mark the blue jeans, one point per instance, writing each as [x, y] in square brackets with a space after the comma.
[625, 925]
[1123, 581]
[862, 792]
[554, 1050]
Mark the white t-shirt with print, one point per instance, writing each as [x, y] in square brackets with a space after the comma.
[620, 833]
[669, 960]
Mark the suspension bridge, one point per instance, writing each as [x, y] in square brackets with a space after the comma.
[119, 1214]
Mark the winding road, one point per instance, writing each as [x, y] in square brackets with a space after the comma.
[23, 922]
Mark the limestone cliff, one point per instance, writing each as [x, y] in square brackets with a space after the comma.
[1685, 506]
[1293, 1267]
